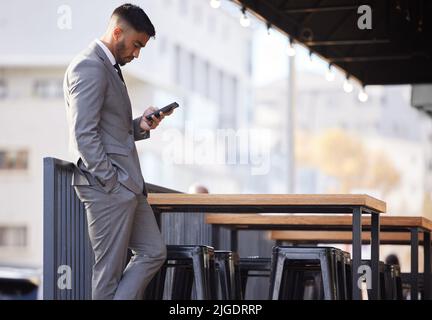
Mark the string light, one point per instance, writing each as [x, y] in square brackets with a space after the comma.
[291, 52]
[408, 15]
[330, 76]
[215, 3]
[268, 28]
[244, 20]
[363, 96]
[347, 86]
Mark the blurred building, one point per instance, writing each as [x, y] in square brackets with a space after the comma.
[201, 58]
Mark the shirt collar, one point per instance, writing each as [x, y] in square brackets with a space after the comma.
[107, 51]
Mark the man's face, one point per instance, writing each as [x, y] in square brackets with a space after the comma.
[128, 45]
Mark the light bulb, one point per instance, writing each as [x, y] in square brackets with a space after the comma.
[215, 3]
[347, 86]
[330, 76]
[363, 96]
[244, 20]
[268, 28]
[290, 49]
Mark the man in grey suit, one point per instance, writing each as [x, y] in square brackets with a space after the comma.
[107, 176]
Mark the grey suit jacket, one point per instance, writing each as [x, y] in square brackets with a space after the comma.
[102, 132]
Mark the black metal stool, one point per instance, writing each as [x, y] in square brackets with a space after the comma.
[253, 267]
[310, 286]
[393, 282]
[397, 282]
[228, 275]
[348, 275]
[384, 278]
[324, 260]
[193, 265]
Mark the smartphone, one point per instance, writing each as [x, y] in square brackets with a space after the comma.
[165, 109]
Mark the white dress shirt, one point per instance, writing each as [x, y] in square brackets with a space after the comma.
[107, 51]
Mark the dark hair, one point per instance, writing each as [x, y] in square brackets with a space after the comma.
[392, 259]
[136, 18]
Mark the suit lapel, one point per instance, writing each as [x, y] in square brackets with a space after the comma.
[120, 84]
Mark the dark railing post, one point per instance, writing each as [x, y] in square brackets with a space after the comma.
[48, 230]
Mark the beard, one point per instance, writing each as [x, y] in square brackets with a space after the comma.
[119, 50]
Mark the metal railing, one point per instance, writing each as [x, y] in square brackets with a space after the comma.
[68, 256]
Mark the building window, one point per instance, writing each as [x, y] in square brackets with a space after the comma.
[15, 236]
[198, 14]
[221, 92]
[3, 89]
[211, 24]
[215, 82]
[184, 7]
[249, 58]
[48, 89]
[182, 67]
[177, 64]
[228, 106]
[200, 77]
[163, 45]
[191, 72]
[13, 160]
[207, 80]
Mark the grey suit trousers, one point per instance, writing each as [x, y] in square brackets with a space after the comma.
[119, 220]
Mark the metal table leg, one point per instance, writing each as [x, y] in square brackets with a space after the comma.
[158, 217]
[215, 231]
[234, 240]
[375, 243]
[414, 263]
[356, 252]
[427, 265]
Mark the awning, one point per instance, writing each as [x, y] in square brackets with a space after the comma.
[396, 50]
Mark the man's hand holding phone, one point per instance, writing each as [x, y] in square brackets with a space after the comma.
[152, 117]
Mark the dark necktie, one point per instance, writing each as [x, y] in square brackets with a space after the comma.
[117, 67]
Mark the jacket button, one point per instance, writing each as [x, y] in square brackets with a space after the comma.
[130, 132]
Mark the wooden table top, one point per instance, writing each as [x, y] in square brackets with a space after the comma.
[344, 237]
[251, 220]
[261, 202]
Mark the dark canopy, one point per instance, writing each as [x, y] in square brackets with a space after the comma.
[397, 50]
